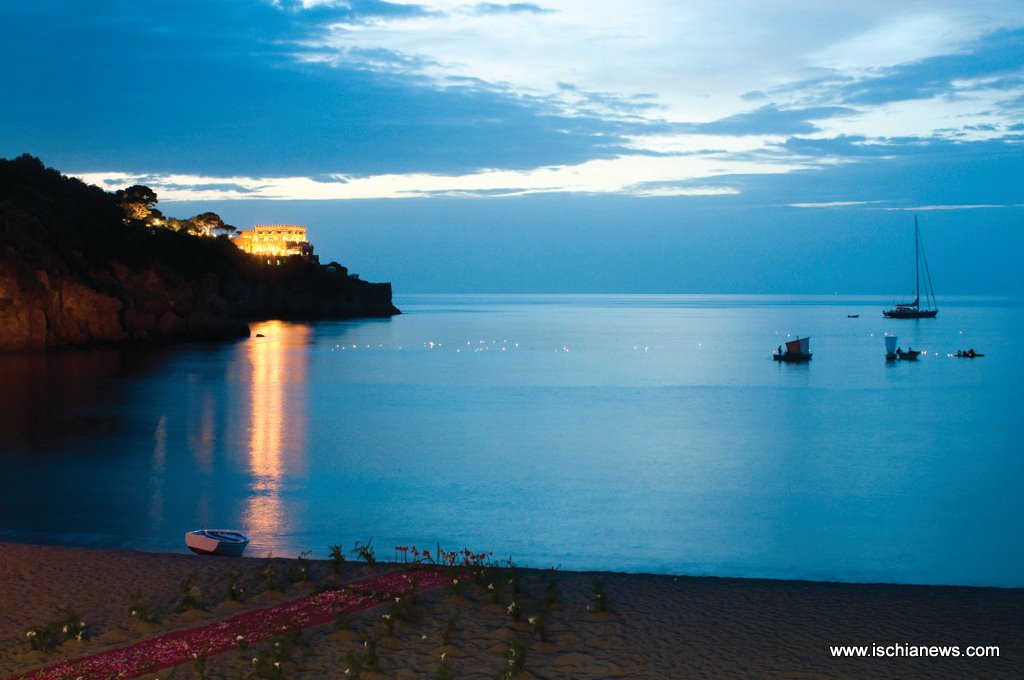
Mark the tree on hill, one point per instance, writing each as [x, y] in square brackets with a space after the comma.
[137, 201]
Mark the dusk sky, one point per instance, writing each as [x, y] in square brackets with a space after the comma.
[558, 146]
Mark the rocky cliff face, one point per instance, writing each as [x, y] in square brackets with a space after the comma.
[42, 309]
[73, 274]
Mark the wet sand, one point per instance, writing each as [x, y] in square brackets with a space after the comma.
[651, 626]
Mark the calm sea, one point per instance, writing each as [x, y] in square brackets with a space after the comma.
[635, 433]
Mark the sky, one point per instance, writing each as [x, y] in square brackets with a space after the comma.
[654, 146]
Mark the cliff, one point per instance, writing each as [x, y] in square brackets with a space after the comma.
[74, 273]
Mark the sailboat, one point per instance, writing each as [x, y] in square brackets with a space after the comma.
[915, 309]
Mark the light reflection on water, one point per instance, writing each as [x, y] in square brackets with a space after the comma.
[616, 432]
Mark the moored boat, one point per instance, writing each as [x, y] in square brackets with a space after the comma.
[796, 351]
[910, 355]
[217, 541]
[917, 309]
[968, 354]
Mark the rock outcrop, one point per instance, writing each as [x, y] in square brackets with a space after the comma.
[72, 274]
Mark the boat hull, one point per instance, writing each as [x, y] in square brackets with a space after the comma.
[910, 313]
[791, 357]
[217, 542]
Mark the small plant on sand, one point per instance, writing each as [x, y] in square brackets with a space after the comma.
[337, 555]
[299, 570]
[365, 552]
[551, 588]
[236, 586]
[243, 647]
[142, 610]
[516, 658]
[600, 599]
[513, 576]
[41, 639]
[70, 624]
[494, 590]
[199, 665]
[446, 632]
[444, 669]
[370, 657]
[537, 623]
[190, 596]
[270, 575]
[47, 638]
[353, 664]
[342, 620]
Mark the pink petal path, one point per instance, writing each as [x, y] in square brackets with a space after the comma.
[184, 645]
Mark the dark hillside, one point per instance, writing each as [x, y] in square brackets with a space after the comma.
[74, 272]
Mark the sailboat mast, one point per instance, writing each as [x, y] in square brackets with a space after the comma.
[917, 266]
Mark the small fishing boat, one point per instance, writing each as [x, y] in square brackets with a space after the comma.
[853, 316]
[909, 355]
[796, 351]
[890, 348]
[969, 354]
[217, 541]
[917, 309]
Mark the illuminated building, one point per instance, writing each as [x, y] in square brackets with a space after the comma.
[275, 241]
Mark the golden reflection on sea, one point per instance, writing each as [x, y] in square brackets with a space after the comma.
[278, 361]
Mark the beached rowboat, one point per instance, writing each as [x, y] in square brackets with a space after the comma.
[217, 541]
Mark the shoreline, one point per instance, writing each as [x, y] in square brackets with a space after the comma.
[654, 625]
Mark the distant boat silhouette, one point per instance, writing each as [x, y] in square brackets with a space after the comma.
[914, 310]
[797, 350]
[853, 316]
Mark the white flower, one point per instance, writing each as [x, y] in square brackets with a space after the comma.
[423, 637]
[455, 581]
[386, 617]
[532, 620]
[31, 633]
[512, 607]
[255, 660]
[277, 664]
[490, 586]
[240, 638]
[65, 629]
[442, 656]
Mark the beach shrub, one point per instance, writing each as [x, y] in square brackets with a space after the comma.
[600, 598]
[365, 552]
[236, 586]
[342, 620]
[143, 610]
[445, 670]
[353, 664]
[46, 638]
[299, 570]
[337, 558]
[190, 596]
[199, 665]
[270, 575]
[537, 623]
[516, 658]
[446, 632]
[551, 589]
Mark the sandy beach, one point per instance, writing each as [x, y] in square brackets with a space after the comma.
[651, 626]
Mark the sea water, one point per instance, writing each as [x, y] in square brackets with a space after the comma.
[635, 433]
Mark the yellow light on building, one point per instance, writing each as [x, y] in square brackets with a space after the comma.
[275, 240]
